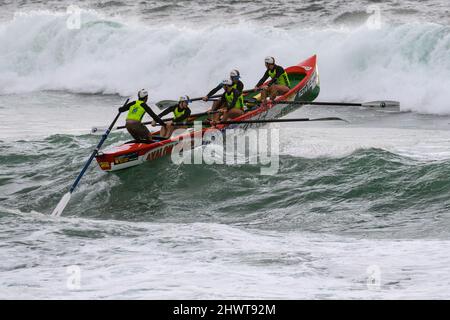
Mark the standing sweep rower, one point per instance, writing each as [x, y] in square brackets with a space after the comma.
[136, 112]
[279, 83]
[181, 112]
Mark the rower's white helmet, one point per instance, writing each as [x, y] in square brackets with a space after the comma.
[227, 82]
[142, 94]
[184, 98]
[234, 73]
[269, 60]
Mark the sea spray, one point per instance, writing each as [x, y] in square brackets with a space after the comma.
[409, 62]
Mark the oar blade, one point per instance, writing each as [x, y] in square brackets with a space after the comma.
[328, 119]
[61, 205]
[382, 104]
[164, 104]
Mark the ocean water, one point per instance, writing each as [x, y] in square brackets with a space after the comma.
[357, 210]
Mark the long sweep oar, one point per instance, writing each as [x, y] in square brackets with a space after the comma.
[65, 199]
[164, 104]
[95, 130]
[261, 121]
[371, 104]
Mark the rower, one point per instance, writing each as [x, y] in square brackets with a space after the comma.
[136, 111]
[279, 83]
[236, 84]
[231, 102]
[181, 112]
[235, 77]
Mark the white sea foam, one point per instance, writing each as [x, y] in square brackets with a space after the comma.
[422, 145]
[198, 261]
[410, 62]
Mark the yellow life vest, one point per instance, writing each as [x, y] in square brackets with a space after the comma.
[282, 80]
[239, 102]
[136, 111]
[177, 113]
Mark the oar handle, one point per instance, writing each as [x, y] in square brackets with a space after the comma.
[318, 103]
[372, 104]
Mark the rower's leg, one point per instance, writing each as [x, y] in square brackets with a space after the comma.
[139, 131]
[163, 131]
[213, 108]
[233, 113]
[264, 94]
[225, 116]
[131, 131]
[218, 106]
[167, 131]
[170, 130]
[273, 92]
[218, 115]
[144, 133]
[278, 90]
[264, 97]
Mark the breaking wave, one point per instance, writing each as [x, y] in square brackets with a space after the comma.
[409, 62]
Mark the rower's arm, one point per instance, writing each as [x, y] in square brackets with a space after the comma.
[240, 86]
[153, 115]
[127, 106]
[167, 111]
[214, 91]
[263, 79]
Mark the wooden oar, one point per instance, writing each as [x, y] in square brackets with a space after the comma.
[260, 121]
[164, 104]
[65, 199]
[372, 104]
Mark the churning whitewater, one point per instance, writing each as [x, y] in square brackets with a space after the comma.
[40, 53]
[356, 210]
